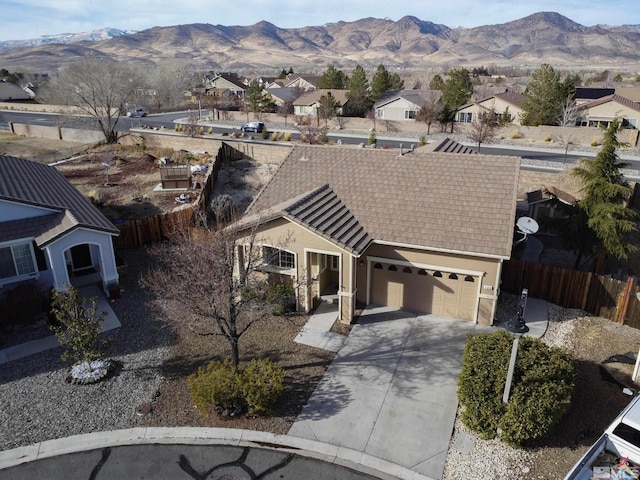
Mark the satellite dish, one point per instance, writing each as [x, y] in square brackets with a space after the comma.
[527, 225]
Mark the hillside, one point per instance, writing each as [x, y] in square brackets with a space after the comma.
[406, 43]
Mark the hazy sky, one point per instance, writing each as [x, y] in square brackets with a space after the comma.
[21, 19]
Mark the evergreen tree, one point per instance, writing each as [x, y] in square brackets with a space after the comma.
[283, 74]
[333, 78]
[605, 193]
[545, 96]
[383, 81]
[457, 89]
[358, 95]
[436, 82]
[258, 100]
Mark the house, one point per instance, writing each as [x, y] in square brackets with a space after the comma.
[306, 82]
[225, 84]
[503, 103]
[589, 94]
[601, 112]
[426, 232]
[49, 232]
[308, 103]
[10, 92]
[404, 105]
[280, 96]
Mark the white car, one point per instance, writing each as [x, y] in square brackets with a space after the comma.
[138, 112]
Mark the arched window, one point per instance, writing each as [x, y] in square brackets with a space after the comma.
[377, 265]
[453, 276]
[407, 270]
[393, 268]
[437, 274]
[469, 278]
[422, 271]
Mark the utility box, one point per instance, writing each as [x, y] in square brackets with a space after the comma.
[175, 176]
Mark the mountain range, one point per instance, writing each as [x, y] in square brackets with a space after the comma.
[409, 43]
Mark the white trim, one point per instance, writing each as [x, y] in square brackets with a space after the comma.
[34, 262]
[486, 296]
[307, 251]
[441, 250]
[426, 266]
[346, 294]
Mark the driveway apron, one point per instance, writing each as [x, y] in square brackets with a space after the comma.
[391, 390]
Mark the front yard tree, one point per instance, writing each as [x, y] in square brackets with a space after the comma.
[195, 270]
[545, 96]
[258, 100]
[382, 81]
[605, 194]
[358, 95]
[99, 88]
[457, 89]
[429, 112]
[484, 128]
[328, 108]
[333, 78]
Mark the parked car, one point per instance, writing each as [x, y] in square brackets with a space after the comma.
[138, 112]
[252, 127]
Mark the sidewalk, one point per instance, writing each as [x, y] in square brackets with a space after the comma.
[36, 346]
[317, 331]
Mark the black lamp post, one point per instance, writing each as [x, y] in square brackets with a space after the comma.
[516, 328]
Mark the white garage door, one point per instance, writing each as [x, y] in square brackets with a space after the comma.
[425, 291]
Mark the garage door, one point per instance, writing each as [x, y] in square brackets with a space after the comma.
[425, 291]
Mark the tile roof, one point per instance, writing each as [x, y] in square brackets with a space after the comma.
[35, 184]
[417, 97]
[611, 98]
[314, 96]
[458, 202]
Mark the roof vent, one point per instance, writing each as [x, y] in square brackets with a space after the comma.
[304, 158]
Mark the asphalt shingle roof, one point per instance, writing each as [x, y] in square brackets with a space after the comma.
[447, 201]
[39, 185]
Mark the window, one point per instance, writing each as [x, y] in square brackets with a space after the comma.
[335, 262]
[380, 113]
[422, 272]
[406, 270]
[410, 114]
[16, 260]
[437, 274]
[453, 276]
[378, 266]
[464, 117]
[469, 278]
[393, 268]
[278, 258]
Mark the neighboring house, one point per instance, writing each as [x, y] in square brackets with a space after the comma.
[601, 112]
[49, 232]
[589, 94]
[545, 203]
[219, 85]
[280, 96]
[306, 82]
[509, 102]
[632, 93]
[10, 92]
[308, 103]
[404, 105]
[427, 232]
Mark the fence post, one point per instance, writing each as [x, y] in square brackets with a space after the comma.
[623, 303]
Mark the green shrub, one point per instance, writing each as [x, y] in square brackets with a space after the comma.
[281, 299]
[422, 141]
[262, 383]
[542, 386]
[231, 391]
[372, 137]
[265, 134]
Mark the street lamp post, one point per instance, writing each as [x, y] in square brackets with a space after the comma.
[516, 328]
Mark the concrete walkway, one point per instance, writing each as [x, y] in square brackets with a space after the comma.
[317, 331]
[36, 346]
[391, 390]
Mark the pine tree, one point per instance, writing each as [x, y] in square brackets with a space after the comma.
[358, 95]
[605, 193]
[333, 78]
[382, 81]
[457, 89]
[545, 96]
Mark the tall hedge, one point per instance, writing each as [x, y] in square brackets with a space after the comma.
[541, 390]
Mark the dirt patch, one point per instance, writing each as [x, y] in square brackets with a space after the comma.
[42, 150]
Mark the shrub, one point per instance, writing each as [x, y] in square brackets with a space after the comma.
[216, 385]
[516, 134]
[262, 383]
[265, 133]
[422, 141]
[372, 137]
[548, 138]
[287, 137]
[542, 386]
[274, 136]
[596, 141]
[281, 299]
[231, 391]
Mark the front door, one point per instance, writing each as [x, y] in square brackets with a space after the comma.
[81, 257]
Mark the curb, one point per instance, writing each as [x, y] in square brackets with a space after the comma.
[341, 456]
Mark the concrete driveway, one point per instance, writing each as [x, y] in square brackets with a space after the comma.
[391, 390]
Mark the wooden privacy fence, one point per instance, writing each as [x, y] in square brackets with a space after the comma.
[146, 231]
[595, 294]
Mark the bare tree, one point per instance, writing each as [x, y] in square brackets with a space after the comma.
[429, 112]
[569, 115]
[484, 128]
[100, 88]
[215, 279]
[167, 84]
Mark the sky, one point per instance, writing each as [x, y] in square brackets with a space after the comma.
[25, 19]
